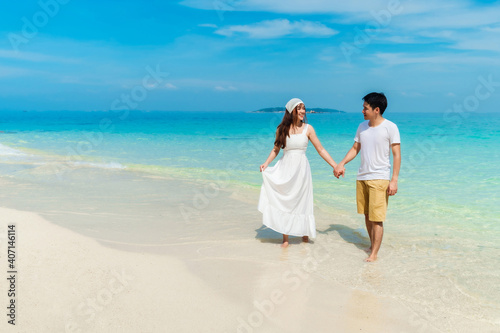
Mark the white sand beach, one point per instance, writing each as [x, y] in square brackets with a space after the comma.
[71, 283]
[95, 257]
[131, 138]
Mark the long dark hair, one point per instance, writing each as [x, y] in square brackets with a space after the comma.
[284, 128]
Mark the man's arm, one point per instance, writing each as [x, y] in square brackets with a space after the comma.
[396, 160]
[351, 154]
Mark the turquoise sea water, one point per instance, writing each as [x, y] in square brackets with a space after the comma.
[449, 166]
[444, 221]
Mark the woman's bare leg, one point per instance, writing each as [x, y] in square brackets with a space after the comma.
[285, 241]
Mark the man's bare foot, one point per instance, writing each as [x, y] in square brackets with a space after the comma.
[305, 239]
[371, 259]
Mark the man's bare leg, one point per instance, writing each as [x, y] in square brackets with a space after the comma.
[377, 234]
[285, 241]
[369, 230]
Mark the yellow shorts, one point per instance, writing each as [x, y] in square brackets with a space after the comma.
[372, 198]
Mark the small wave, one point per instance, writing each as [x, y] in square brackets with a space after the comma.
[110, 165]
[7, 151]
[230, 138]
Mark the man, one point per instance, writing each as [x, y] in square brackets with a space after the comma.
[375, 137]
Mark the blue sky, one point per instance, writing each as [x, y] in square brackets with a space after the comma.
[242, 55]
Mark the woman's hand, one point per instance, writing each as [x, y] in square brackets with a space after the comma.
[270, 158]
[339, 170]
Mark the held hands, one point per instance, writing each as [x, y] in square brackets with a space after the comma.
[338, 171]
[393, 187]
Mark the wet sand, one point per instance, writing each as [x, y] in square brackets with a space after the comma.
[103, 251]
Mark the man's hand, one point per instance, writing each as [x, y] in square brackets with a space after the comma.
[393, 187]
[339, 170]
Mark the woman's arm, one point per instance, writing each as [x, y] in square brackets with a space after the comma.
[311, 133]
[270, 158]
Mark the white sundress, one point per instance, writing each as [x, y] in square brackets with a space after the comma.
[286, 195]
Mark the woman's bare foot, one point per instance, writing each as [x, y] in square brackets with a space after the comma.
[285, 241]
[305, 239]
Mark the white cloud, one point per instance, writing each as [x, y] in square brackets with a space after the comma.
[359, 7]
[16, 72]
[483, 39]
[404, 40]
[437, 34]
[328, 54]
[326, 58]
[227, 88]
[207, 25]
[490, 29]
[395, 59]
[480, 43]
[34, 57]
[460, 17]
[170, 86]
[448, 21]
[463, 27]
[411, 94]
[220, 85]
[279, 28]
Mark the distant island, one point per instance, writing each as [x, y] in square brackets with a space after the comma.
[312, 110]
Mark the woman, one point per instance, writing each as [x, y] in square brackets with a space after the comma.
[286, 196]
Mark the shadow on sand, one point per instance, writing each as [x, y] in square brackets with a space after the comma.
[267, 235]
[348, 234]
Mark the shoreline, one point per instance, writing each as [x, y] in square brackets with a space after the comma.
[221, 251]
[70, 283]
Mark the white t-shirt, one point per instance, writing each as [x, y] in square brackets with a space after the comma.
[375, 149]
